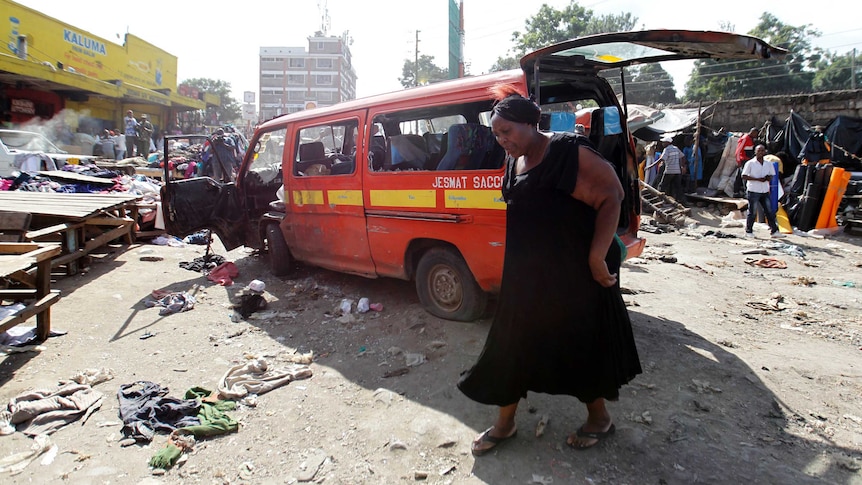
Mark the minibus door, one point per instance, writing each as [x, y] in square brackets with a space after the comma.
[326, 225]
[191, 205]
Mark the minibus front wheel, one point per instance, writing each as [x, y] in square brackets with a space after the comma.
[280, 260]
[446, 286]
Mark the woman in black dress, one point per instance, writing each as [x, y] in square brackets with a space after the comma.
[561, 326]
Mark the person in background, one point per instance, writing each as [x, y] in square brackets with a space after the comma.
[652, 173]
[757, 173]
[560, 326]
[130, 130]
[144, 136]
[675, 167]
[105, 144]
[119, 144]
[695, 163]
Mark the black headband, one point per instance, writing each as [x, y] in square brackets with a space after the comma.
[518, 109]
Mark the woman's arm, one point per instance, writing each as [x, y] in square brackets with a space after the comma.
[599, 187]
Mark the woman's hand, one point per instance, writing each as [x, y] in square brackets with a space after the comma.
[601, 274]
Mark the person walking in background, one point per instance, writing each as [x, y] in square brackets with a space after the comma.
[675, 166]
[757, 173]
[144, 136]
[119, 144]
[130, 130]
[560, 326]
[695, 164]
[652, 175]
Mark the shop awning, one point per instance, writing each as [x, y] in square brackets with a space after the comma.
[46, 76]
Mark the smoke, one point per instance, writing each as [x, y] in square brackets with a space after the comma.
[68, 118]
[68, 127]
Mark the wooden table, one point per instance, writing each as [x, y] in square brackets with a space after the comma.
[29, 264]
[79, 222]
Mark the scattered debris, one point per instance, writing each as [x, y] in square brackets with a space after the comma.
[643, 418]
[447, 470]
[540, 427]
[397, 445]
[804, 281]
[766, 263]
[396, 372]
[414, 359]
[703, 387]
[309, 468]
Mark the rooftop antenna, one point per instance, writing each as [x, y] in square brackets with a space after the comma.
[324, 17]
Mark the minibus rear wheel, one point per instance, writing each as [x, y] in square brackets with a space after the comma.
[446, 286]
[279, 255]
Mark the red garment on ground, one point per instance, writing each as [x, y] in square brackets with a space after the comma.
[223, 274]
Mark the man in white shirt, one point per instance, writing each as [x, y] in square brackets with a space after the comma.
[674, 168]
[757, 173]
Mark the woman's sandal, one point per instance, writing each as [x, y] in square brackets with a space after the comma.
[599, 436]
[487, 438]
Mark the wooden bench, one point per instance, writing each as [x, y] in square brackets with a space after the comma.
[27, 266]
[79, 222]
[14, 225]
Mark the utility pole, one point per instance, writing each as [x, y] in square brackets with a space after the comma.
[853, 70]
[416, 62]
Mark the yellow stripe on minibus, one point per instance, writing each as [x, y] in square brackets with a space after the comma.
[344, 197]
[474, 199]
[308, 197]
[404, 198]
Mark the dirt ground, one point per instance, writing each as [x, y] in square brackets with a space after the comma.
[752, 374]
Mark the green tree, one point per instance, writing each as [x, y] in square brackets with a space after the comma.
[834, 72]
[505, 63]
[650, 85]
[428, 72]
[733, 79]
[229, 111]
[550, 26]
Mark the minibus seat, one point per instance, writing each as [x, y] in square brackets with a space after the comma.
[495, 158]
[343, 167]
[407, 152]
[435, 143]
[597, 126]
[312, 153]
[468, 145]
[377, 153]
[609, 146]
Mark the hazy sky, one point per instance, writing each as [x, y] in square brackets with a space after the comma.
[221, 40]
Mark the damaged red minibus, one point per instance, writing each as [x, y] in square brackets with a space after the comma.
[407, 184]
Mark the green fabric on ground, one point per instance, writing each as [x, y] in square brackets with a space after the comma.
[213, 419]
[166, 457]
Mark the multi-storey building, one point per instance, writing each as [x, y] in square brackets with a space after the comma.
[293, 78]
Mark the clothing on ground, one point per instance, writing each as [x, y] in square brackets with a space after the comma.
[555, 330]
[256, 377]
[43, 411]
[145, 410]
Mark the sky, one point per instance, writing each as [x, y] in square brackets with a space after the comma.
[221, 40]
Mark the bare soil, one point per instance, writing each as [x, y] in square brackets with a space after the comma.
[751, 374]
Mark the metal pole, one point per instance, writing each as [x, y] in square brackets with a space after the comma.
[853, 70]
[416, 62]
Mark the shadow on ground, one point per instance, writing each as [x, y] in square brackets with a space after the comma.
[697, 414]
